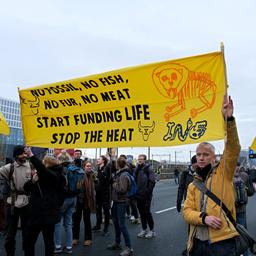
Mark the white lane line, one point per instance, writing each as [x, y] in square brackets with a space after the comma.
[167, 209]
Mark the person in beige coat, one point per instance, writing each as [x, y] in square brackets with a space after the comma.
[17, 202]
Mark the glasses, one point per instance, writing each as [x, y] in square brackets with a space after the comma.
[141, 159]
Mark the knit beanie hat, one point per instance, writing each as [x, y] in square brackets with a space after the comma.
[18, 150]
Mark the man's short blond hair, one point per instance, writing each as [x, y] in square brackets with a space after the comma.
[208, 145]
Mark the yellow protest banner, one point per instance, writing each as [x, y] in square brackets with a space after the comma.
[253, 146]
[161, 104]
[4, 127]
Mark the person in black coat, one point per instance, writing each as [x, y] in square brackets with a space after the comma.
[145, 179]
[186, 177]
[45, 189]
[103, 191]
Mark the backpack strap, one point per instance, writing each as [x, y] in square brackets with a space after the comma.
[11, 172]
[201, 186]
[13, 194]
[127, 174]
[12, 184]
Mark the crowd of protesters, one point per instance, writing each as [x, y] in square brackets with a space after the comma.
[42, 198]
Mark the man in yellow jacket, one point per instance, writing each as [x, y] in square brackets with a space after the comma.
[211, 232]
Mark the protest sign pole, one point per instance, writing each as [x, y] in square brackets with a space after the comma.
[225, 121]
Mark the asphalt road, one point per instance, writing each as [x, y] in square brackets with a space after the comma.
[169, 226]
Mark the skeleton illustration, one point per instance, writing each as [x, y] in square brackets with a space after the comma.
[33, 104]
[146, 130]
[177, 83]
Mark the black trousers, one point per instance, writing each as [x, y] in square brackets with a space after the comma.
[145, 214]
[32, 235]
[222, 248]
[77, 216]
[3, 213]
[12, 226]
[106, 209]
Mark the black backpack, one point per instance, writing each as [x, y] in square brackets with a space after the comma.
[241, 196]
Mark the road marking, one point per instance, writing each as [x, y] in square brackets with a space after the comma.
[167, 209]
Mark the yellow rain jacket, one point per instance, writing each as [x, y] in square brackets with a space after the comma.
[221, 181]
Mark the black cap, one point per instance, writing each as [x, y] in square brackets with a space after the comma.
[193, 159]
[18, 150]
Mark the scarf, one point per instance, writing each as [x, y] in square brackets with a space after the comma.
[89, 192]
[203, 172]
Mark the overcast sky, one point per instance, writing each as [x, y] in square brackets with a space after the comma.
[48, 41]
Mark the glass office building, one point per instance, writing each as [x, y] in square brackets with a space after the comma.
[11, 112]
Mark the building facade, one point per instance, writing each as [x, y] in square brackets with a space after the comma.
[11, 112]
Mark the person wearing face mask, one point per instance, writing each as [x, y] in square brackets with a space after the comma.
[211, 231]
[16, 175]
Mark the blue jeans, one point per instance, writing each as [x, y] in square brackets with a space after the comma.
[118, 216]
[66, 216]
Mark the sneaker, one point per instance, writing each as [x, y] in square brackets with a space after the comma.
[114, 246]
[126, 252]
[142, 234]
[57, 250]
[75, 241]
[96, 228]
[150, 234]
[128, 216]
[132, 218]
[67, 250]
[87, 242]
